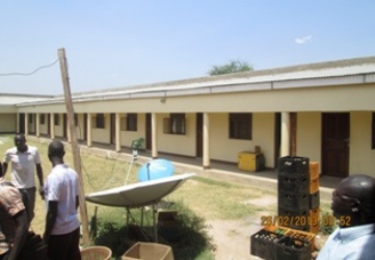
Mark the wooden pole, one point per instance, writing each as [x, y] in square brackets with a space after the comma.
[75, 146]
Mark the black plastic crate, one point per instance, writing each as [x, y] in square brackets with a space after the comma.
[262, 244]
[289, 248]
[293, 201]
[314, 200]
[294, 165]
[293, 183]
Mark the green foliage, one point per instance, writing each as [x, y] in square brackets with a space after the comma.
[188, 237]
[233, 66]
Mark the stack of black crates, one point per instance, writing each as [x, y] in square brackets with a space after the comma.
[298, 194]
[291, 233]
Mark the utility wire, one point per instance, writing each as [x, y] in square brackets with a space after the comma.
[28, 74]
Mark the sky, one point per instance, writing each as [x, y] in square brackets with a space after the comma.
[125, 43]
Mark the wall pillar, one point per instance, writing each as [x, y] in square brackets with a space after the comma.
[285, 134]
[118, 136]
[154, 136]
[52, 125]
[26, 124]
[37, 125]
[89, 140]
[18, 123]
[206, 141]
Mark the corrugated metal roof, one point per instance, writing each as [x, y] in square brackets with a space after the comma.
[309, 71]
[331, 69]
[13, 99]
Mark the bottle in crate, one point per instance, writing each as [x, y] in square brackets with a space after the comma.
[289, 248]
[262, 243]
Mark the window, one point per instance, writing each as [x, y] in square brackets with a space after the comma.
[373, 131]
[240, 126]
[175, 124]
[100, 121]
[56, 119]
[131, 122]
[42, 119]
[30, 119]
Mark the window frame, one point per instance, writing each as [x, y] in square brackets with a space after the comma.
[240, 126]
[177, 124]
[132, 122]
[100, 121]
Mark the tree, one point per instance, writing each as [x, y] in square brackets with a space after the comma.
[232, 67]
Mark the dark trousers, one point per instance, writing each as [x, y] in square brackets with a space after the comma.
[28, 199]
[64, 247]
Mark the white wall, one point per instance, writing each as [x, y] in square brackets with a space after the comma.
[224, 149]
[80, 127]
[127, 137]
[309, 136]
[101, 135]
[362, 157]
[8, 123]
[43, 128]
[178, 144]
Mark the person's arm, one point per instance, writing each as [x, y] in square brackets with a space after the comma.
[22, 225]
[50, 219]
[39, 172]
[5, 167]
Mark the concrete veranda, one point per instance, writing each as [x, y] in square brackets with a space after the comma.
[230, 172]
[266, 179]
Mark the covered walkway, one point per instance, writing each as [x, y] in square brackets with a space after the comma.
[223, 171]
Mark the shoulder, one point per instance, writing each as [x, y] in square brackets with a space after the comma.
[32, 149]
[12, 150]
[8, 192]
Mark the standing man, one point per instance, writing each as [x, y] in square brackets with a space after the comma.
[353, 205]
[62, 230]
[23, 159]
[14, 223]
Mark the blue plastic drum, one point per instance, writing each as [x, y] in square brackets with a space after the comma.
[155, 169]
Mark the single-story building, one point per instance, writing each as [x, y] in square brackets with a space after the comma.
[324, 111]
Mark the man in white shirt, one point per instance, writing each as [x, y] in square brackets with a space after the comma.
[353, 205]
[62, 230]
[23, 159]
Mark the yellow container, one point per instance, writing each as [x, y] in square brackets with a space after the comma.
[250, 161]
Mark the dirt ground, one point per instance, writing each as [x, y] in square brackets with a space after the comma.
[232, 238]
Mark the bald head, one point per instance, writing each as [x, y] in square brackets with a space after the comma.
[355, 196]
[56, 149]
[361, 187]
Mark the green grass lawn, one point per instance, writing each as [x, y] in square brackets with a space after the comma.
[206, 198]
